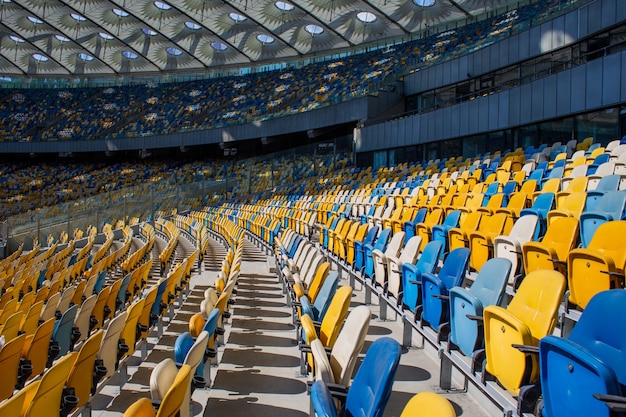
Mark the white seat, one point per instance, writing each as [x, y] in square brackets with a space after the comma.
[510, 246]
[380, 259]
[394, 265]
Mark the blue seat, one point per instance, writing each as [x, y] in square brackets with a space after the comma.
[600, 159]
[409, 227]
[123, 294]
[591, 360]
[317, 310]
[435, 310]
[63, 333]
[157, 306]
[371, 388]
[359, 247]
[466, 304]
[540, 208]
[440, 232]
[536, 174]
[100, 282]
[606, 184]
[411, 294]
[492, 189]
[610, 207]
[333, 225]
[381, 245]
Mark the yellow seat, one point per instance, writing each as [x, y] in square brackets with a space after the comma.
[481, 240]
[97, 313]
[517, 202]
[10, 355]
[341, 245]
[531, 315]
[552, 251]
[360, 234]
[570, 206]
[576, 185]
[143, 324]
[424, 229]
[81, 376]
[600, 266]
[13, 406]
[428, 404]
[458, 237]
[129, 332]
[36, 347]
[43, 397]
[30, 322]
[11, 326]
[172, 401]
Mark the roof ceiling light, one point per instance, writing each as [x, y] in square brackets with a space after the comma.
[130, 55]
[62, 38]
[219, 46]
[35, 20]
[265, 39]
[192, 25]
[314, 29]
[78, 17]
[284, 6]
[85, 57]
[174, 51]
[237, 17]
[16, 39]
[366, 17]
[161, 5]
[106, 36]
[148, 32]
[120, 13]
[424, 3]
[40, 58]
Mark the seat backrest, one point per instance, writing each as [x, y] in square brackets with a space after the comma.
[536, 301]
[109, 347]
[454, 267]
[175, 396]
[395, 245]
[609, 183]
[612, 203]
[63, 329]
[430, 257]
[10, 355]
[491, 280]
[597, 333]
[428, 404]
[411, 250]
[37, 349]
[82, 320]
[452, 219]
[543, 203]
[372, 384]
[335, 315]
[49, 389]
[383, 239]
[524, 228]
[325, 295]
[561, 235]
[604, 241]
[349, 343]
[81, 374]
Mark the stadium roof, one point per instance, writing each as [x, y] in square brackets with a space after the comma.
[69, 38]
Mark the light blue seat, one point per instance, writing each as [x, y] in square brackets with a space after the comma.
[606, 184]
[63, 331]
[435, 310]
[371, 388]
[100, 282]
[359, 247]
[591, 360]
[610, 207]
[411, 293]
[466, 304]
[333, 225]
[440, 232]
[157, 307]
[123, 294]
[381, 245]
[320, 305]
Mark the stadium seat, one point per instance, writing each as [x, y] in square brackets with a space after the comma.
[428, 404]
[187, 351]
[381, 259]
[10, 355]
[610, 207]
[599, 266]
[530, 315]
[467, 306]
[411, 294]
[371, 388]
[589, 361]
[552, 251]
[435, 306]
[510, 246]
[84, 375]
[112, 348]
[337, 366]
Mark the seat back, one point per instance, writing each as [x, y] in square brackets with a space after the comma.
[454, 267]
[428, 404]
[81, 376]
[335, 315]
[83, 317]
[324, 297]
[37, 347]
[129, 333]
[10, 355]
[591, 360]
[49, 389]
[109, 347]
[62, 333]
[610, 207]
[372, 384]
[490, 283]
[427, 263]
